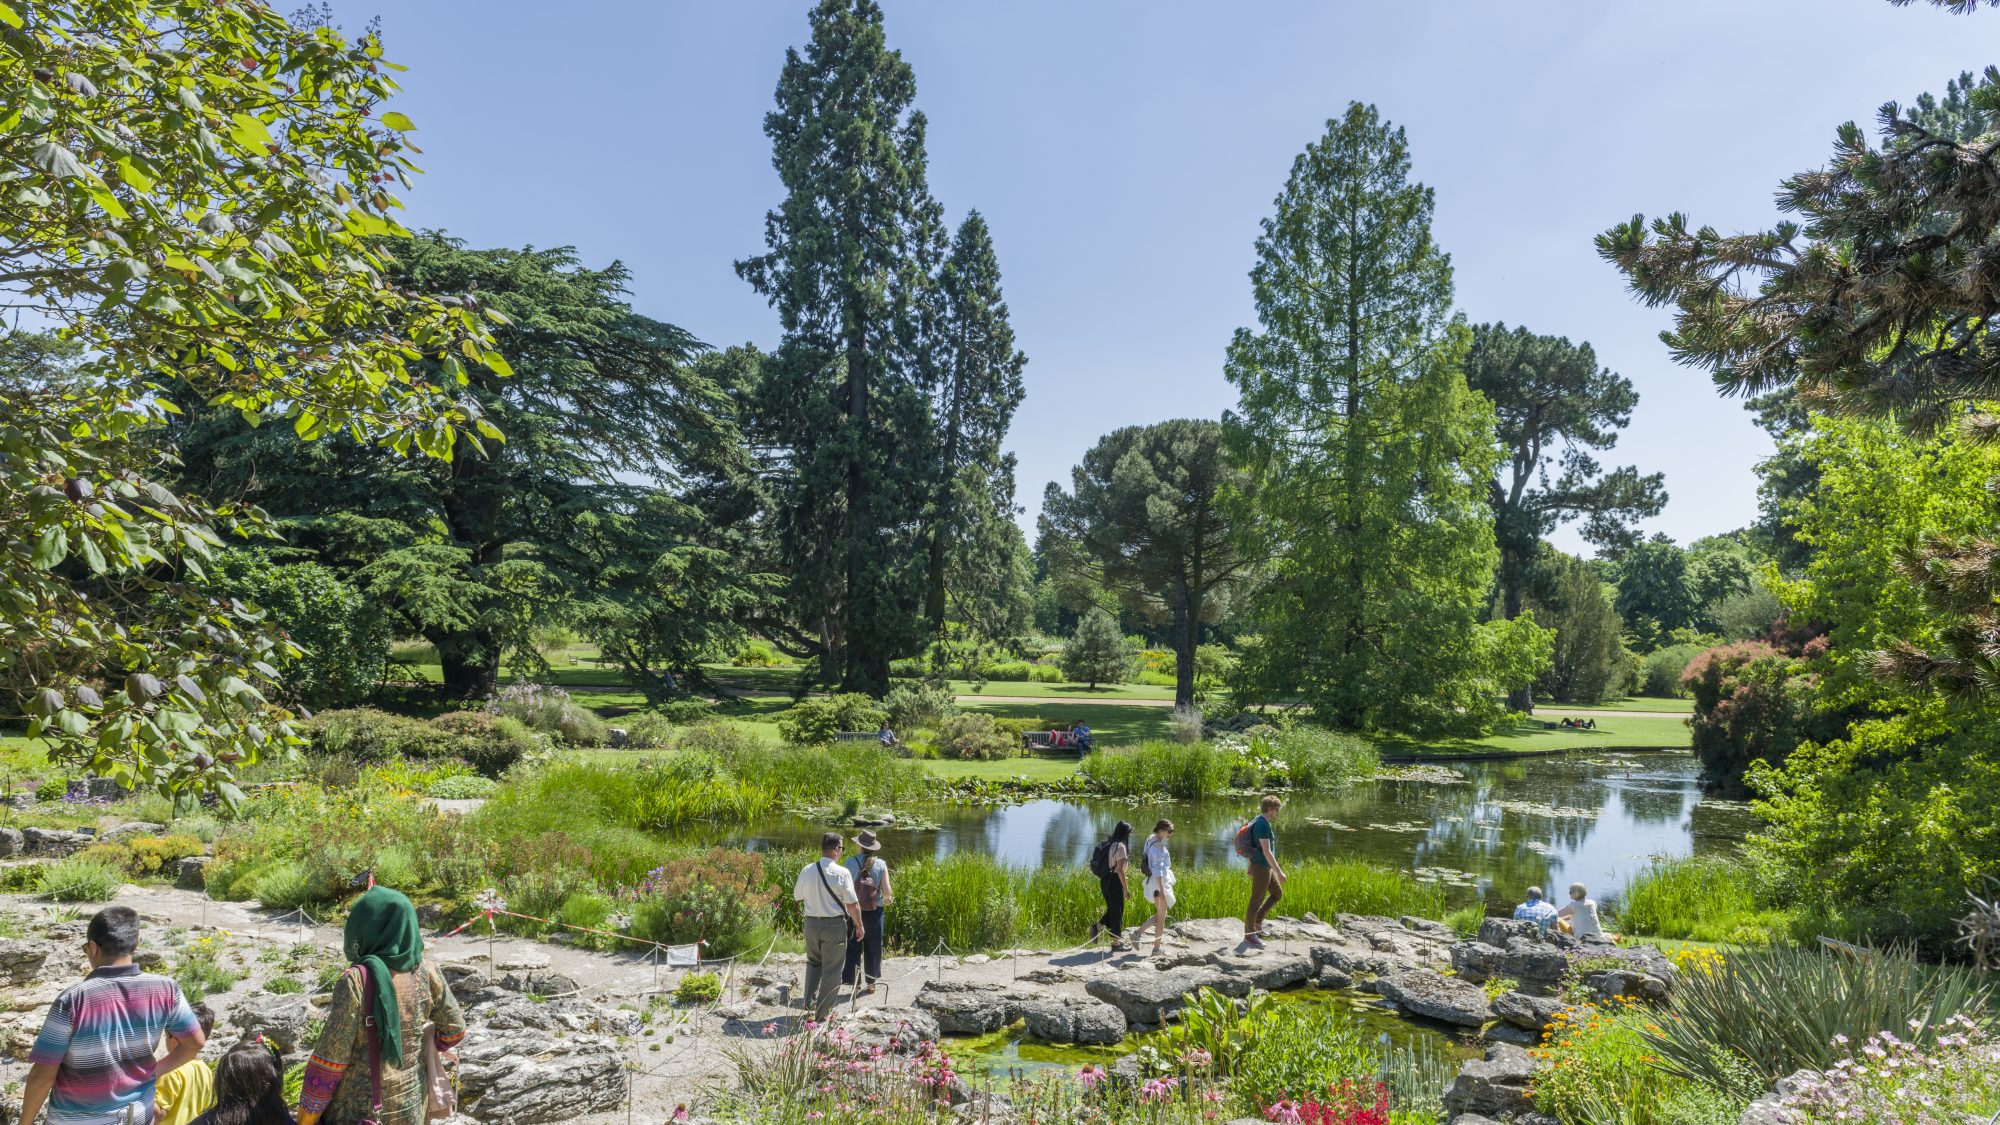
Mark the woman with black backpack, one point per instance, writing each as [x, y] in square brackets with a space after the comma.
[871, 887]
[1109, 863]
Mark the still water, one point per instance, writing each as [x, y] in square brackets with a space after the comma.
[1482, 827]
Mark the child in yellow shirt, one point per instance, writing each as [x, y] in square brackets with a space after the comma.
[185, 1093]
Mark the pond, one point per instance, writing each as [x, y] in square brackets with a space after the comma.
[1483, 826]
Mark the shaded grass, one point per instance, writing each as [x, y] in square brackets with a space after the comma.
[1614, 732]
[1033, 769]
[1078, 693]
[1677, 704]
[1110, 725]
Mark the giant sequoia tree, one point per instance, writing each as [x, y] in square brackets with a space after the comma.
[1146, 519]
[886, 399]
[1369, 454]
[1555, 406]
[472, 555]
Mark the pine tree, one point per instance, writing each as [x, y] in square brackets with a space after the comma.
[1098, 652]
[1147, 519]
[851, 251]
[1369, 454]
[979, 386]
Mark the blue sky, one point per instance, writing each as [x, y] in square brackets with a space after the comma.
[1124, 153]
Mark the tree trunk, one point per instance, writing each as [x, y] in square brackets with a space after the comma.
[863, 645]
[1512, 566]
[1187, 631]
[470, 663]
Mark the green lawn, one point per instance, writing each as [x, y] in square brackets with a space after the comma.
[1034, 769]
[1075, 692]
[1110, 725]
[1614, 732]
[1630, 703]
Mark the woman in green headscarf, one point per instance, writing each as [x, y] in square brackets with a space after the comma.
[390, 988]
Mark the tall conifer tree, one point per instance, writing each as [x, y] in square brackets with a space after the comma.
[851, 252]
[1369, 453]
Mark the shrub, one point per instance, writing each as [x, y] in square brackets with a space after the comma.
[648, 730]
[720, 740]
[1598, 1068]
[918, 705]
[364, 734]
[1751, 704]
[1300, 1055]
[591, 911]
[687, 711]
[1007, 671]
[698, 988]
[1317, 758]
[1781, 1009]
[396, 866]
[965, 900]
[286, 885]
[974, 736]
[1098, 653]
[816, 720]
[721, 900]
[1156, 679]
[1045, 674]
[78, 879]
[487, 742]
[754, 654]
[549, 710]
[461, 788]
[152, 854]
[53, 789]
[1159, 768]
[1660, 671]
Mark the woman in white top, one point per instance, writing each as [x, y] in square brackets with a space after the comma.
[1159, 886]
[1582, 914]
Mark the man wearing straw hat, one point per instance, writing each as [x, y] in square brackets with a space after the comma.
[826, 897]
[871, 889]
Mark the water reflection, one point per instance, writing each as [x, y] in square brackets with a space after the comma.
[1499, 826]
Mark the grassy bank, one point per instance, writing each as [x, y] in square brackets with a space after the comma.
[1614, 732]
[1706, 899]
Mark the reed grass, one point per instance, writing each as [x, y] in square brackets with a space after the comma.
[1699, 899]
[1169, 768]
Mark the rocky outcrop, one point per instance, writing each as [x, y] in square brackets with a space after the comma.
[1148, 996]
[53, 843]
[22, 961]
[972, 1007]
[1770, 1109]
[1269, 969]
[282, 1021]
[1432, 995]
[525, 1076]
[191, 872]
[1494, 1086]
[566, 1016]
[1530, 1013]
[11, 843]
[1539, 962]
[892, 1029]
[132, 829]
[1073, 1019]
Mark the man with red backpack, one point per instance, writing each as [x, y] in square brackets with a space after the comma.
[1257, 843]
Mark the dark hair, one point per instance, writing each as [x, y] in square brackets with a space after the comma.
[250, 1086]
[115, 929]
[1164, 825]
[829, 841]
[1121, 832]
[205, 1016]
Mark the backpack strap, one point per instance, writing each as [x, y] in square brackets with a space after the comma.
[374, 1042]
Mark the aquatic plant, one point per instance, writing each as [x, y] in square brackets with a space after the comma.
[1701, 899]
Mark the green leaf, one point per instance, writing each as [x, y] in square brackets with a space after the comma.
[497, 364]
[307, 425]
[72, 723]
[58, 161]
[92, 556]
[249, 132]
[232, 797]
[131, 173]
[398, 122]
[51, 548]
[9, 16]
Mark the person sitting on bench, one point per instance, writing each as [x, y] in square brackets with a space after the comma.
[887, 736]
[1079, 734]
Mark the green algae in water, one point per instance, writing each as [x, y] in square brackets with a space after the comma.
[1009, 1052]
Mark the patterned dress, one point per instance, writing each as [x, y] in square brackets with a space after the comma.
[336, 1080]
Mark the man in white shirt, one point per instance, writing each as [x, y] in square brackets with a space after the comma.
[825, 890]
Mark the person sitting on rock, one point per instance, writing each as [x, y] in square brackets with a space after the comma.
[1537, 910]
[1581, 911]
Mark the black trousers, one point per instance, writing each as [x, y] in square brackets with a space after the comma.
[1114, 903]
[869, 947]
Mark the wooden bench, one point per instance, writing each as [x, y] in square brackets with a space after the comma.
[1043, 740]
[854, 736]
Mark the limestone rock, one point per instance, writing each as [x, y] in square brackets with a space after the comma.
[567, 1015]
[1497, 932]
[132, 829]
[106, 789]
[22, 961]
[1770, 1109]
[888, 1028]
[1266, 969]
[1477, 962]
[282, 1020]
[1432, 995]
[51, 842]
[191, 873]
[1613, 983]
[1531, 1013]
[1146, 996]
[1495, 1086]
[11, 843]
[1330, 977]
[970, 1007]
[1504, 1032]
[540, 982]
[525, 1077]
[1073, 1019]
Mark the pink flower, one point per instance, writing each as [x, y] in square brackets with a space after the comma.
[1090, 1076]
[1284, 1113]
[681, 1112]
[770, 1029]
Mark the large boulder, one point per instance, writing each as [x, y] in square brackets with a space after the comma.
[133, 829]
[191, 872]
[524, 1076]
[1495, 1086]
[1538, 966]
[1497, 932]
[1432, 995]
[282, 1020]
[1268, 969]
[1530, 1013]
[1073, 1019]
[971, 1007]
[52, 842]
[1477, 961]
[1147, 996]
[892, 1029]
[22, 961]
[1353, 962]
[563, 1016]
[11, 843]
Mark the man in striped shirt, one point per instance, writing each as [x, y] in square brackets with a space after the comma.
[93, 1062]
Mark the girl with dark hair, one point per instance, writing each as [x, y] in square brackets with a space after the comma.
[249, 1087]
[1158, 867]
[1109, 863]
